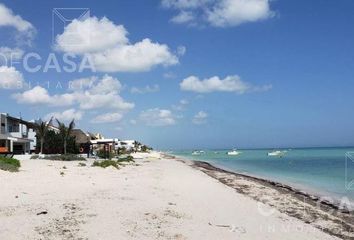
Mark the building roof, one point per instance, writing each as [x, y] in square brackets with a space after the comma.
[80, 136]
[21, 121]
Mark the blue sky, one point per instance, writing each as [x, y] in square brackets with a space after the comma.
[283, 71]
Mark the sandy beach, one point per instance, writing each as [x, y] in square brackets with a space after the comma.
[154, 198]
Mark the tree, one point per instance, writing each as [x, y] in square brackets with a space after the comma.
[65, 132]
[136, 146]
[41, 129]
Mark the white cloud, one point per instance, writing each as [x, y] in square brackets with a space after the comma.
[39, 95]
[235, 12]
[184, 4]
[87, 93]
[219, 13]
[98, 101]
[36, 95]
[82, 83]
[7, 55]
[139, 57]
[66, 115]
[7, 18]
[91, 35]
[146, 89]
[107, 118]
[181, 106]
[25, 29]
[183, 17]
[109, 48]
[157, 117]
[181, 50]
[10, 78]
[200, 117]
[215, 84]
[184, 102]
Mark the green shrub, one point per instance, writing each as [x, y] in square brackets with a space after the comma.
[102, 154]
[105, 163]
[9, 164]
[126, 159]
[65, 157]
[53, 144]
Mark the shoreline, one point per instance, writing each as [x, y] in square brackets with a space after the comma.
[315, 195]
[308, 208]
[155, 197]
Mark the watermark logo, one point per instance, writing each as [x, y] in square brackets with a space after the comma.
[349, 170]
[33, 62]
[62, 17]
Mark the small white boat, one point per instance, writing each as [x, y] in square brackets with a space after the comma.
[233, 153]
[276, 153]
[196, 153]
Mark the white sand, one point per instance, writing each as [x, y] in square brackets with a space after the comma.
[159, 199]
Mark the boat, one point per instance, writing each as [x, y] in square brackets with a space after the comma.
[276, 153]
[196, 153]
[234, 152]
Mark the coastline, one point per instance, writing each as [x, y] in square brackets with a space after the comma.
[154, 198]
[328, 216]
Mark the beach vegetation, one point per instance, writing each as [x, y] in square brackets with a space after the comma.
[53, 144]
[105, 155]
[106, 163]
[128, 159]
[122, 150]
[9, 164]
[145, 148]
[41, 129]
[65, 132]
[81, 164]
[64, 157]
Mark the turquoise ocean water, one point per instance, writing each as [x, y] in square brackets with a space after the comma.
[319, 171]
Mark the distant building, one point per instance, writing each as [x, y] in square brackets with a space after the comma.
[16, 135]
[127, 144]
[81, 137]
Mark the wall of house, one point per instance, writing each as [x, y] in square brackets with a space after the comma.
[13, 129]
[3, 124]
[32, 136]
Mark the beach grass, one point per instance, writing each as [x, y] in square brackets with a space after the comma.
[126, 159]
[105, 164]
[9, 164]
[113, 163]
[60, 157]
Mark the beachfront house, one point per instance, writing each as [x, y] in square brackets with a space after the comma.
[81, 137]
[16, 135]
[127, 144]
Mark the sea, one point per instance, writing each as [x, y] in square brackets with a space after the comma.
[324, 172]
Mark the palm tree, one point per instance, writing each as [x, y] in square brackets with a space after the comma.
[41, 129]
[65, 131]
[136, 145]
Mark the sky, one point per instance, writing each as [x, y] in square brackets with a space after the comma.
[178, 74]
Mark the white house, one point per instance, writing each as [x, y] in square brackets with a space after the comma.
[128, 144]
[16, 135]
